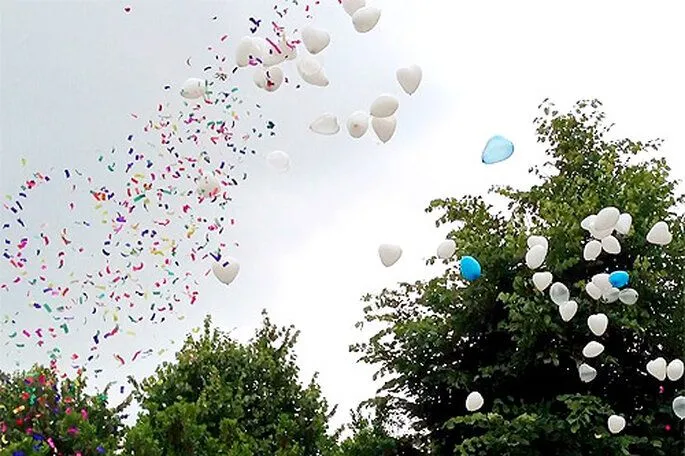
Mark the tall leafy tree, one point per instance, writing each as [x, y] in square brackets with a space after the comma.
[444, 338]
[223, 397]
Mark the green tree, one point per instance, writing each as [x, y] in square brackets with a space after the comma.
[444, 338]
[43, 415]
[222, 397]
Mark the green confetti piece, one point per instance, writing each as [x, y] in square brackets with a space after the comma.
[138, 198]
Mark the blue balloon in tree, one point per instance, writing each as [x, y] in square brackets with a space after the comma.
[619, 279]
[470, 268]
[497, 149]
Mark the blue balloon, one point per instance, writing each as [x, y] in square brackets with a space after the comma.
[619, 279]
[470, 268]
[497, 149]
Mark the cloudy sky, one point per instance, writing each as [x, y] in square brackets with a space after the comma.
[73, 71]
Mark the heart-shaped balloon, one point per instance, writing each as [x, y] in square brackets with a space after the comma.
[269, 79]
[536, 256]
[542, 280]
[659, 234]
[358, 124]
[247, 48]
[611, 295]
[593, 349]
[352, 6]
[568, 310]
[607, 219]
[616, 424]
[278, 160]
[389, 254]
[410, 78]
[384, 127]
[679, 407]
[628, 296]
[559, 293]
[624, 223]
[657, 368]
[601, 281]
[588, 222]
[315, 40]
[326, 124]
[532, 241]
[600, 234]
[226, 270]
[593, 291]
[194, 88]
[674, 370]
[587, 373]
[311, 71]
[592, 250]
[384, 106]
[446, 249]
[366, 18]
[598, 323]
[611, 245]
[474, 401]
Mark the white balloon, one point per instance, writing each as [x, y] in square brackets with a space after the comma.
[315, 40]
[269, 79]
[410, 78]
[568, 310]
[616, 424]
[598, 323]
[352, 6]
[593, 349]
[587, 373]
[600, 234]
[311, 71]
[659, 234]
[611, 295]
[679, 407]
[532, 241]
[593, 291]
[611, 245]
[326, 124]
[657, 368]
[208, 185]
[607, 219]
[536, 256]
[226, 270]
[358, 124]
[559, 293]
[474, 401]
[247, 47]
[366, 18]
[628, 296]
[674, 370]
[384, 106]
[587, 222]
[592, 250]
[601, 281]
[259, 77]
[278, 160]
[384, 127]
[389, 254]
[624, 223]
[271, 56]
[542, 280]
[194, 88]
[446, 249]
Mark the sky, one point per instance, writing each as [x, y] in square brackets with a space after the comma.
[71, 72]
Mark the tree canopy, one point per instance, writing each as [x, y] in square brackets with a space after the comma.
[444, 338]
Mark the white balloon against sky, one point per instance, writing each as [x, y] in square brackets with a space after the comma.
[353, 191]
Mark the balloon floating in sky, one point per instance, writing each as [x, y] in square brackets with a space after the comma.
[568, 310]
[226, 270]
[586, 373]
[389, 254]
[366, 18]
[352, 6]
[278, 160]
[470, 268]
[311, 71]
[315, 40]
[358, 124]
[326, 124]
[593, 349]
[208, 185]
[474, 401]
[497, 149]
[384, 127]
[247, 49]
[593, 291]
[542, 280]
[674, 370]
[616, 424]
[598, 324]
[269, 79]
[659, 234]
[679, 407]
[384, 106]
[619, 279]
[409, 78]
[446, 249]
[194, 88]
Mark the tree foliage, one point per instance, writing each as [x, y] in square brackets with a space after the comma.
[222, 397]
[444, 338]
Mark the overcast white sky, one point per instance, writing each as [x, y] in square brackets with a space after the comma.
[71, 72]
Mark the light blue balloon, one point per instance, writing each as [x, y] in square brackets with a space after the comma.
[619, 279]
[497, 149]
[470, 268]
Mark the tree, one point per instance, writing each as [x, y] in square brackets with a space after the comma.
[43, 415]
[222, 397]
[444, 338]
